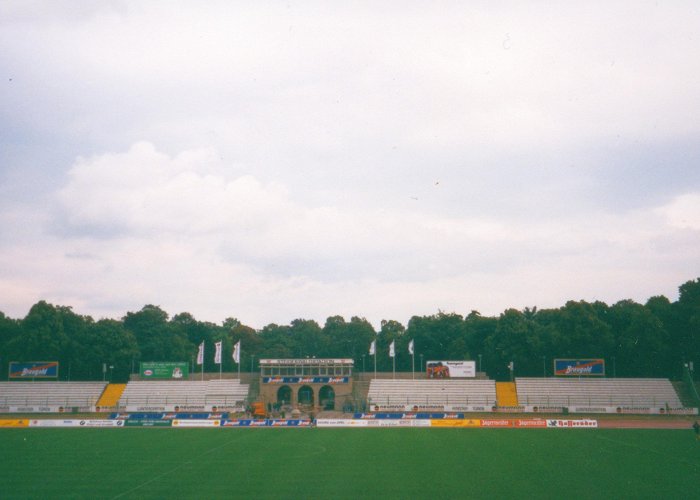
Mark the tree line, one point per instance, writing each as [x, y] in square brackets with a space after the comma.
[636, 340]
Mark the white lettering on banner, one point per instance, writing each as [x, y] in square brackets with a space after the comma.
[34, 372]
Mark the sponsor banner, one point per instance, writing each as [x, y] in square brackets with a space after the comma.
[306, 380]
[579, 367]
[508, 409]
[307, 361]
[182, 408]
[341, 422]
[54, 423]
[47, 409]
[196, 423]
[572, 424]
[682, 411]
[164, 370]
[430, 408]
[591, 409]
[14, 423]
[100, 423]
[531, 424]
[147, 423]
[496, 423]
[76, 423]
[398, 423]
[266, 423]
[455, 423]
[451, 369]
[33, 369]
[543, 409]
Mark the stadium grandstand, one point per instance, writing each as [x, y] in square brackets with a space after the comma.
[169, 395]
[606, 392]
[451, 394]
[49, 396]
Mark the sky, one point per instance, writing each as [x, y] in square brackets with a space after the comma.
[270, 161]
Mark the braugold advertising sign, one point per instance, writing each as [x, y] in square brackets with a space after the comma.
[579, 367]
[33, 369]
[451, 369]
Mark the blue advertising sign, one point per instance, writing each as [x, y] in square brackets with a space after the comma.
[306, 380]
[266, 423]
[579, 367]
[34, 369]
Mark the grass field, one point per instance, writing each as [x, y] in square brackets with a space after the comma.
[348, 463]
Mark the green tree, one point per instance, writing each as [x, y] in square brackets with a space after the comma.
[158, 340]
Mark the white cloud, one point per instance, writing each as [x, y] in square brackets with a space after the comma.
[684, 211]
[374, 159]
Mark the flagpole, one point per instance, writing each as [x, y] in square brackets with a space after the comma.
[413, 365]
[375, 363]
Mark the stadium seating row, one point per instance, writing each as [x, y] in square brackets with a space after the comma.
[50, 394]
[640, 392]
[211, 392]
[423, 392]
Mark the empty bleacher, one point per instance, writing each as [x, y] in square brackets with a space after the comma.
[50, 394]
[209, 392]
[637, 392]
[426, 392]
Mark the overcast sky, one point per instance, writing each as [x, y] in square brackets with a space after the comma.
[279, 160]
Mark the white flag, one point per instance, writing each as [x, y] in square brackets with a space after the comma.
[200, 354]
[373, 348]
[410, 347]
[217, 354]
[237, 352]
[391, 349]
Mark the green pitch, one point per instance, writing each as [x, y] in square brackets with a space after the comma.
[347, 463]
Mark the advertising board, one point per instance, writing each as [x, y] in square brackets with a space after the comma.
[164, 370]
[306, 380]
[398, 407]
[572, 424]
[579, 367]
[196, 423]
[341, 422]
[450, 369]
[33, 369]
[169, 407]
[496, 423]
[455, 423]
[76, 423]
[147, 423]
[14, 423]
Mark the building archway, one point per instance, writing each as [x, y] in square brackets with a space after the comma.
[305, 396]
[326, 397]
[284, 395]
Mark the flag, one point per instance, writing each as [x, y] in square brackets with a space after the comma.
[237, 352]
[217, 355]
[410, 347]
[391, 349]
[200, 354]
[373, 348]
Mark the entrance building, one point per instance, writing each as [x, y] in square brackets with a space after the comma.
[307, 383]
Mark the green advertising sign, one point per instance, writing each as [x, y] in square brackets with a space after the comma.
[165, 370]
[147, 423]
